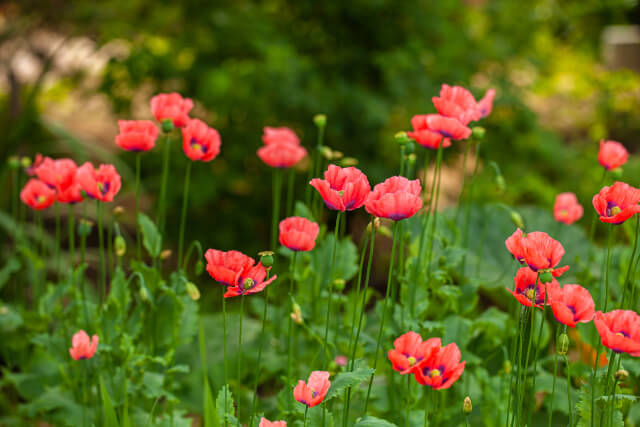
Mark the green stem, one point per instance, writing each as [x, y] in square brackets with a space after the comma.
[57, 254]
[330, 290]
[84, 381]
[417, 261]
[467, 213]
[224, 347]
[275, 216]
[183, 216]
[260, 345]
[566, 360]
[429, 393]
[612, 357]
[83, 246]
[606, 274]
[592, 229]
[290, 191]
[290, 328]
[239, 357]
[138, 239]
[304, 423]
[163, 186]
[433, 201]
[627, 281]
[384, 311]
[464, 176]
[535, 351]
[613, 402]
[406, 413]
[72, 239]
[555, 372]
[103, 270]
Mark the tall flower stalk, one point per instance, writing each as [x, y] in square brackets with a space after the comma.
[290, 327]
[138, 239]
[103, 268]
[330, 290]
[183, 216]
[166, 150]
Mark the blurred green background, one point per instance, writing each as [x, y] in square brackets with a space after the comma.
[70, 69]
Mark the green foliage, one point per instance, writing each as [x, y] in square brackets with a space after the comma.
[110, 417]
[369, 421]
[346, 380]
[151, 238]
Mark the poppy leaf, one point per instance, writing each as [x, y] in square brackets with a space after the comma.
[224, 405]
[151, 238]
[110, 417]
[369, 421]
[210, 415]
[346, 380]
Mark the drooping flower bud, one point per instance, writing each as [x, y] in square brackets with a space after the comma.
[466, 405]
[296, 315]
[563, 344]
[120, 246]
[326, 152]
[336, 155]
[500, 183]
[516, 218]
[199, 268]
[193, 291]
[320, 120]
[144, 294]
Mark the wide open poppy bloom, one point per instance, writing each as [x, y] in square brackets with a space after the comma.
[171, 106]
[227, 267]
[82, 347]
[298, 234]
[313, 392]
[272, 135]
[102, 183]
[529, 290]
[612, 154]
[441, 369]
[543, 253]
[515, 245]
[137, 135]
[251, 282]
[619, 331]
[396, 198]
[61, 175]
[617, 203]
[567, 209]
[342, 189]
[571, 304]
[409, 350]
[37, 195]
[266, 423]
[281, 154]
[458, 103]
[199, 141]
[485, 105]
[425, 136]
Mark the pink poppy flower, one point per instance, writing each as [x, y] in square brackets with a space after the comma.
[528, 288]
[227, 267]
[312, 392]
[485, 105]
[617, 203]
[298, 234]
[342, 189]
[171, 106]
[396, 198]
[82, 347]
[281, 154]
[137, 135]
[61, 175]
[619, 331]
[285, 135]
[409, 351]
[612, 154]
[571, 304]
[567, 209]
[199, 141]
[37, 195]
[250, 282]
[458, 103]
[441, 369]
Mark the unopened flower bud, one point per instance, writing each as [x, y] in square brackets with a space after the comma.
[500, 183]
[296, 315]
[266, 258]
[118, 211]
[320, 120]
[622, 375]
[507, 366]
[478, 132]
[144, 294]
[193, 291]
[617, 172]
[466, 405]
[411, 158]
[401, 138]
[14, 162]
[165, 254]
[199, 268]
[167, 126]
[516, 218]
[376, 224]
[120, 246]
[326, 152]
[410, 148]
[349, 161]
[339, 284]
[26, 162]
[563, 344]
[337, 155]
[546, 277]
[84, 227]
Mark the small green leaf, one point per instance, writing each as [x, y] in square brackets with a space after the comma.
[348, 379]
[110, 417]
[151, 238]
[224, 405]
[210, 415]
[369, 421]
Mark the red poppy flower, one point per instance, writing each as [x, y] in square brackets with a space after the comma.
[61, 175]
[313, 392]
[285, 135]
[458, 103]
[199, 141]
[485, 105]
[298, 234]
[102, 184]
[37, 195]
[137, 135]
[396, 198]
[342, 189]
[227, 267]
[171, 106]
[612, 154]
[425, 136]
[543, 253]
[567, 209]
[571, 304]
[617, 203]
[82, 347]
[281, 154]
[250, 282]
[266, 423]
[410, 350]
[619, 331]
[441, 369]
[529, 290]
[515, 245]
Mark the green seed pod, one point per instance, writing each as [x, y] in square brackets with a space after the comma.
[14, 162]
[339, 284]
[118, 211]
[193, 291]
[546, 277]
[320, 120]
[507, 366]
[401, 138]
[120, 246]
[326, 152]
[466, 405]
[500, 183]
[349, 161]
[410, 148]
[516, 218]
[563, 344]
[411, 158]
[266, 258]
[167, 126]
[144, 294]
[199, 267]
[84, 227]
[25, 162]
[478, 132]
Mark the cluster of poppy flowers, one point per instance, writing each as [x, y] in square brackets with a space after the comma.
[430, 363]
